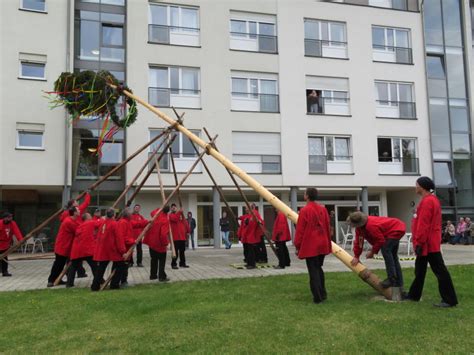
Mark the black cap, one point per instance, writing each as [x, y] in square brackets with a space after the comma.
[426, 183]
[7, 214]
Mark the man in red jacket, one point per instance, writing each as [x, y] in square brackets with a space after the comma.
[73, 203]
[83, 246]
[157, 239]
[63, 244]
[252, 235]
[426, 230]
[281, 234]
[313, 242]
[382, 233]
[8, 229]
[110, 246]
[138, 223]
[125, 229]
[241, 233]
[260, 249]
[178, 231]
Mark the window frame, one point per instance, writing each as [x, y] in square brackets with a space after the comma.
[180, 17]
[22, 7]
[21, 76]
[21, 147]
[333, 139]
[180, 79]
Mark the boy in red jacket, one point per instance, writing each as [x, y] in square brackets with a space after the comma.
[157, 239]
[426, 230]
[178, 229]
[313, 242]
[83, 246]
[110, 246]
[8, 229]
[281, 234]
[382, 233]
[138, 223]
[63, 244]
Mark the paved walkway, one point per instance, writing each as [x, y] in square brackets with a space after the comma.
[204, 264]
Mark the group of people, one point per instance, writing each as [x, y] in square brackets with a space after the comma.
[99, 240]
[463, 232]
[313, 242]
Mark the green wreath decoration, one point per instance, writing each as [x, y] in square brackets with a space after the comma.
[89, 94]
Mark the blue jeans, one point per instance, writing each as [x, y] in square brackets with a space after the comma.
[191, 240]
[225, 238]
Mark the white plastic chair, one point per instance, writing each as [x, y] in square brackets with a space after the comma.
[348, 237]
[406, 240]
[36, 244]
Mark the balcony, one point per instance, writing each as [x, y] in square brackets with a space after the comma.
[182, 36]
[398, 166]
[391, 54]
[328, 106]
[244, 101]
[395, 109]
[253, 42]
[168, 97]
[323, 48]
[183, 163]
[258, 164]
[405, 5]
[325, 164]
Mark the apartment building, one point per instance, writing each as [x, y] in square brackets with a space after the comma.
[301, 93]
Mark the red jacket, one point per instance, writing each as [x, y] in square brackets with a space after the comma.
[426, 225]
[138, 223]
[82, 208]
[125, 229]
[65, 237]
[252, 233]
[313, 233]
[376, 231]
[242, 226]
[6, 233]
[177, 227]
[281, 231]
[157, 237]
[85, 238]
[110, 245]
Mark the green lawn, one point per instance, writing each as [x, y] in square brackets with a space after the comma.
[253, 315]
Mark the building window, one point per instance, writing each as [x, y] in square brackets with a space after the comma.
[442, 174]
[256, 92]
[87, 163]
[330, 155]
[174, 87]
[184, 154]
[257, 152]
[391, 45]
[394, 100]
[253, 32]
[106, 2]
[405, 5]
[327, 96]
[172, 24]
[397, 156]
[33, 5]
[30, 136]
[32, 66]
[99, 36]
[325, 39]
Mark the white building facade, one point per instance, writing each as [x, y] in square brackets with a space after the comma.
[301, 94]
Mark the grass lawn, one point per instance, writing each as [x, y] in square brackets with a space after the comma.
[253, 315]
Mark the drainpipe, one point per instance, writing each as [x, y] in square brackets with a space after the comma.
[66, 188]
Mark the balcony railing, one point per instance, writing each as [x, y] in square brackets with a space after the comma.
[330, 164]
[324, 48]
[183, 162]
[396, 109]
[392, 54]
[328, 106]
[253, 42]
[245, 101]
[185, 36]
[263, 164]
[406, 5]
[167, 97]
[398, 165]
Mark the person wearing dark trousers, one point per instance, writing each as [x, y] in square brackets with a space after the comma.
[192, 227]
[281, 234]
[8, 229]
[125, 230]
[426, 230]
[241, 233]
[178, 230]
[157, 239]
[138, 224]
[382, 233]
[313, 242]
[83, 246]
[252, 235]
[110, 246]
[63, 245]
[260, 248]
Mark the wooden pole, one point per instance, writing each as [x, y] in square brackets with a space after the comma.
[175, 177]
[92, 187]
[148, 226]
[163, 198]
[139, 187]
[361, 270]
